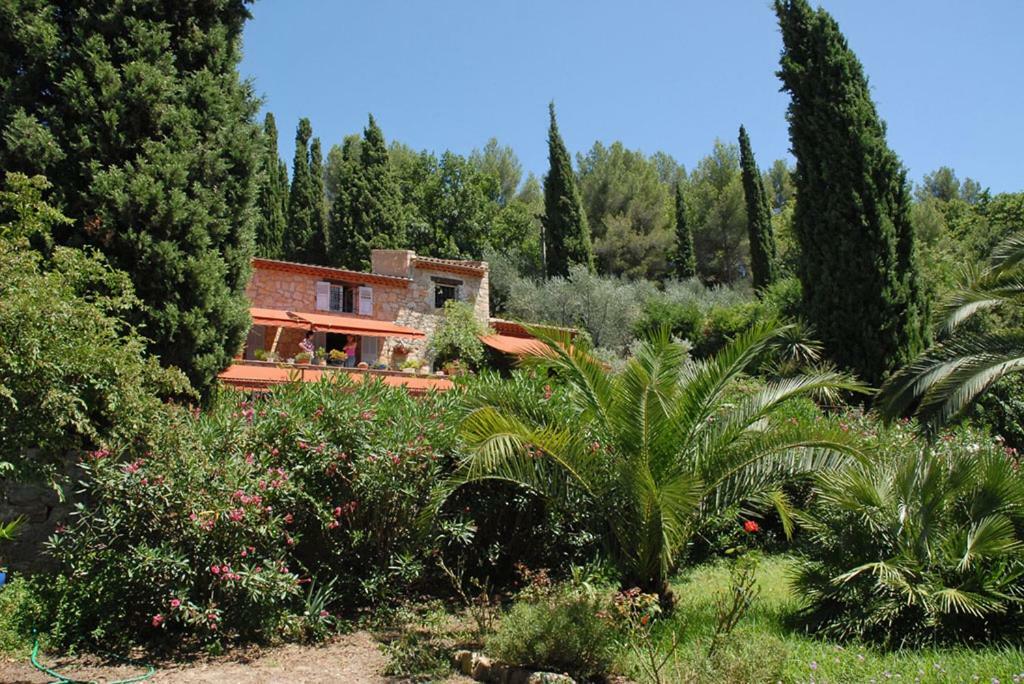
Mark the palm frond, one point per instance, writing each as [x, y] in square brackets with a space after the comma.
[989, 537]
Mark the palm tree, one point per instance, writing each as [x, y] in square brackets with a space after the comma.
[943, 381]
[655, 447]
[915, 546]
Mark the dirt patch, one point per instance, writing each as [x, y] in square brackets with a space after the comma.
[352, 658]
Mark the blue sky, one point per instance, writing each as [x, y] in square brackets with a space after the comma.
[948, 77]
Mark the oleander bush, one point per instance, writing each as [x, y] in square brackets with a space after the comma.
[208, 525]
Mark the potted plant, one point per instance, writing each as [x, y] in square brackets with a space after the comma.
[400, 349]
[303, 357]
[336, 357]
[260, 354]
[454, 367]
[425, 369]
[321, 356]
[410, 365]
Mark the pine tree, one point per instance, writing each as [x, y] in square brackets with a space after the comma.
[759, 218]
[301, 210]
[367, 211]
[136, 114]
[685, 260]
[566, 232]
[852, 217]
[272, 198]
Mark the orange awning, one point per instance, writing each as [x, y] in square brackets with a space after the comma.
[353, 325]
[519, 346]
[275, 318]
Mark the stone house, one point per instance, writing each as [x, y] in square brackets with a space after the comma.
[389, 312]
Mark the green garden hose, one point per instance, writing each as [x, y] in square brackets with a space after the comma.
[61, 679]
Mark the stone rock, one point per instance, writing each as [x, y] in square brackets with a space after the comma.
[463, 661]
[549, 678]
[481, 668]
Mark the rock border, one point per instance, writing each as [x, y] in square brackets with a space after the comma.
[483, 669]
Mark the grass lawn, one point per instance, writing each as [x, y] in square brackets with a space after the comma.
[763, 649]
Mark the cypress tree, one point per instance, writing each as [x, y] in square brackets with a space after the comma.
[367, 211]
[566, 232]
[685, 260]
[759, 218]
[272, 199]
[852, 217]
[136, 114]
[301, 209]
[317, 248]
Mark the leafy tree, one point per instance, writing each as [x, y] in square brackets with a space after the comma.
[941, 383]
[501, 163]
[604, 307]
[685, 259]
[779, 181]
[629, 210]
[73, 373]
[566, 231]
[858, 261]
[717, 215]
[136, 114]
[657, 448]
[367, 211]
[759, 218]
[272, 198]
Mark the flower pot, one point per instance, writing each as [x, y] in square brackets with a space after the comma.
[410, 371]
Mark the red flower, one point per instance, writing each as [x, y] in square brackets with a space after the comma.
[750, 527]
[158, 620]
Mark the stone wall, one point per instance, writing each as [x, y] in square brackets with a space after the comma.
[42, 510]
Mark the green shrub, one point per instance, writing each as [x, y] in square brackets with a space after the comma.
[917, 546]
[207, 526]
[20, 612]
[684, 319]
[72, 372]
[1001, 410]
[457, 336]
[784, 296]
[562, 630]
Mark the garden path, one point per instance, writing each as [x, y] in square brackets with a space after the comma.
[352, 658]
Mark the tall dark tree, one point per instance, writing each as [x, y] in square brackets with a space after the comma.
[318, 247]
[759, 218]
[566, 232]
[272, 198]
[852, 218]
[685, 259]
[136, 113]
[303, 208]
[367, 210]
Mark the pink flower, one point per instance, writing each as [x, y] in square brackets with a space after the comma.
[175, 602]
[324, 613]
[288, 519]
[158, 620]
[215, 569]
[193, 517]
